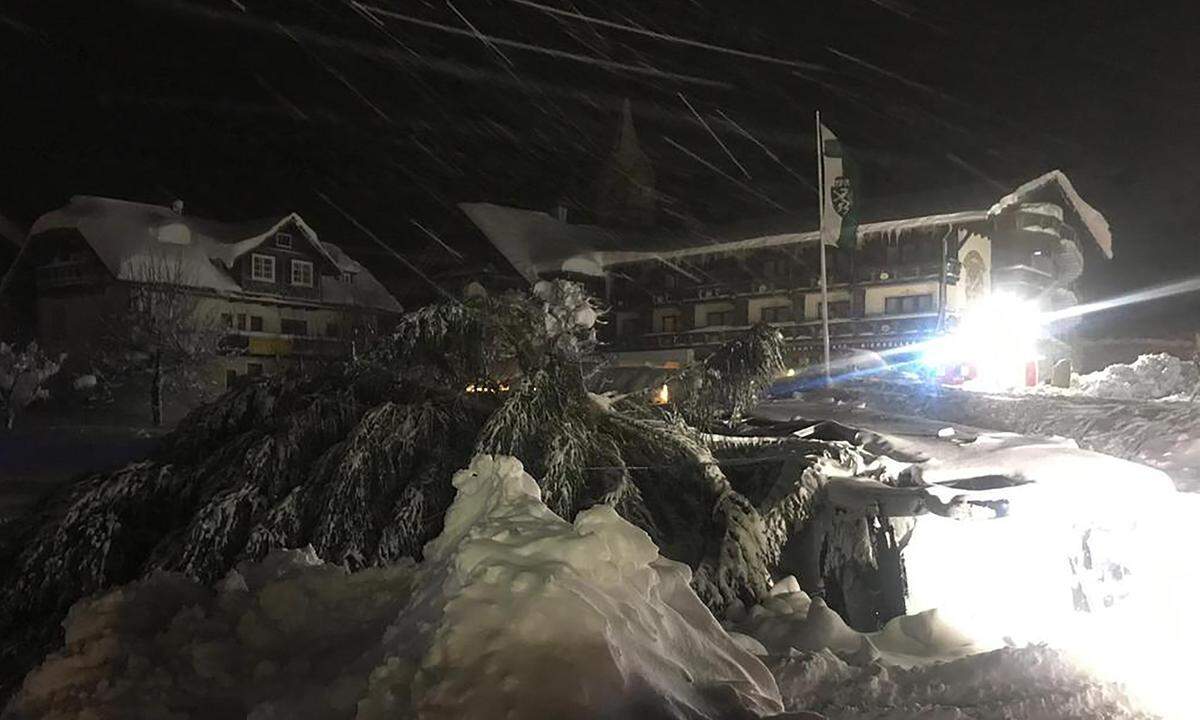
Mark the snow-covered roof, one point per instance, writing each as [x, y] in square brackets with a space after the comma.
[1093, 222]
[363, 289]
[876, 228]
[130, 237]
[536, 243]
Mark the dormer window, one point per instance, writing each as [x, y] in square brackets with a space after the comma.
[283, 240]
[302, 273]
[262, 268]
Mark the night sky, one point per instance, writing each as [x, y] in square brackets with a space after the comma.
[396, 110]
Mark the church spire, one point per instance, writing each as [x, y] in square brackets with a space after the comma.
[625, 195]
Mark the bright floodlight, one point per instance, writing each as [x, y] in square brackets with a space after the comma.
[996, 338]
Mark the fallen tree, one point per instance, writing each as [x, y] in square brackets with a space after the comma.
[356, 461]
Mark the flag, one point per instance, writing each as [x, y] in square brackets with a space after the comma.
[839, 216]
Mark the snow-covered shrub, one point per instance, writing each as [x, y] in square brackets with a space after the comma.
[22, 373]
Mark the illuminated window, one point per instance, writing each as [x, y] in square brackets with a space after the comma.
[670, 323]
[262, 268]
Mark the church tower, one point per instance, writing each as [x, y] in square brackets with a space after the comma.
[625, 195]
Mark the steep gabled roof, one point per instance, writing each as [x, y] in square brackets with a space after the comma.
[129, 236]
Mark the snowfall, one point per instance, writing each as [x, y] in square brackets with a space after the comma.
[516, 613]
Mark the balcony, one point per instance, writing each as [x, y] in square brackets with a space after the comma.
[264, 344]
[881, 331]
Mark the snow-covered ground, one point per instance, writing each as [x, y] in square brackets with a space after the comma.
[1157, 376]
[517, 613]
[1085, 557]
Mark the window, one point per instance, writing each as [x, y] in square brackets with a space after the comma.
[779, 313]
[670, 323]
[254, 369]
[837, 309]
[775, 267]
[332, 330]
[718, 317]
[262, 268]
[283, 240]
[908, 304]
[302, 273]
[241, 321]
[227, 319]
[347, 277]
[256, 323]
[231, 377]
[293, 327]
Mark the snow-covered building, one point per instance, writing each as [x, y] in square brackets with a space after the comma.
[280, 292]
[674, 296]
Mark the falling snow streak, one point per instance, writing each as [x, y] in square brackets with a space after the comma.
[667, 37]
[746, 134]
[482, 38]
[724, 174]
[336, 74]
[437, 239]
[561, 54]
[388, 248]
[709, 129]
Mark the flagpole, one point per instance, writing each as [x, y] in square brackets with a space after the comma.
[821, 243]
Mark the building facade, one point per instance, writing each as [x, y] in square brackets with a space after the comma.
[902, 282]
[278, 293]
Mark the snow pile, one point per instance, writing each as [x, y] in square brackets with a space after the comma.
[1006, 684]
[916, 666]
[521, 614]
[515, 613]
[789, 621]
[277, 639]
[1148, 378]
[1151, 377]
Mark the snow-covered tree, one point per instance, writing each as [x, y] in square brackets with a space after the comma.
[22, 374]
[163, 334]
[356, 461]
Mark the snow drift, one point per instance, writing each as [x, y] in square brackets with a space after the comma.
[917, 666]
[1154, 376]
[515, 613]
[1150, 377]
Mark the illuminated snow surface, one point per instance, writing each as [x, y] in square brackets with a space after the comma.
[1156, 376]
[516, 613]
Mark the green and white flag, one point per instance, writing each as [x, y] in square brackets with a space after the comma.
[839, 216]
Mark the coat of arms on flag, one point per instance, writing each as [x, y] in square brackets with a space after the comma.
[838, 213]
